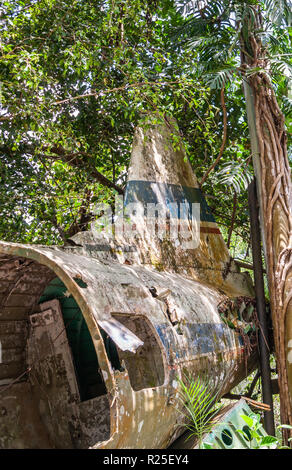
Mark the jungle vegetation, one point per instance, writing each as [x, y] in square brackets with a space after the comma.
[76, 77]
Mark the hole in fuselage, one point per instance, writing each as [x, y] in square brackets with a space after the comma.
[49, 377]
[89, 378]
[72, 388]
[146, 366]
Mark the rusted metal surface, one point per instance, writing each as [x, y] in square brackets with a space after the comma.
[158, 303]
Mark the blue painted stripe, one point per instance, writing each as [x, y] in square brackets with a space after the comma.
[146, 192]
[203, 338]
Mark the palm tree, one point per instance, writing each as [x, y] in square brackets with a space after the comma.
[250, 39]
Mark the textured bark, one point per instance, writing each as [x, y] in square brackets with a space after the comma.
[275, 191]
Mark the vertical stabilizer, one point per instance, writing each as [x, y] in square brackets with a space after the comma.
[160, 174]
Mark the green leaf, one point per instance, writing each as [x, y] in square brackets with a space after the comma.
[267, 440]
[206, 445]
[249, 421]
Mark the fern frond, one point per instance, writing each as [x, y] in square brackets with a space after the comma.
[198, 400]
[217, 80]
[287, 106]
[279, 11]
[236, 175]
[200, 9]
[281, 66]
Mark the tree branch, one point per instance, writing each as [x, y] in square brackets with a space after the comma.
[71, 160]
[242, 264]
[113, 90]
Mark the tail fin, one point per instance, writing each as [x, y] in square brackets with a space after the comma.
[160, 173]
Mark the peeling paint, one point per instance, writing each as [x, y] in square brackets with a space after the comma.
[140, 425]
[143, 343]
[105, 375]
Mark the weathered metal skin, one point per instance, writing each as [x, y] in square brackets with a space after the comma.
[157, 303]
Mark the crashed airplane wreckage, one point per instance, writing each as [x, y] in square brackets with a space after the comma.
[95, 336]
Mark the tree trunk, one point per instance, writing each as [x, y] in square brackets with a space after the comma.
[269, 148]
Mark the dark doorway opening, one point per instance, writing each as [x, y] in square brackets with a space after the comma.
[89, 378]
